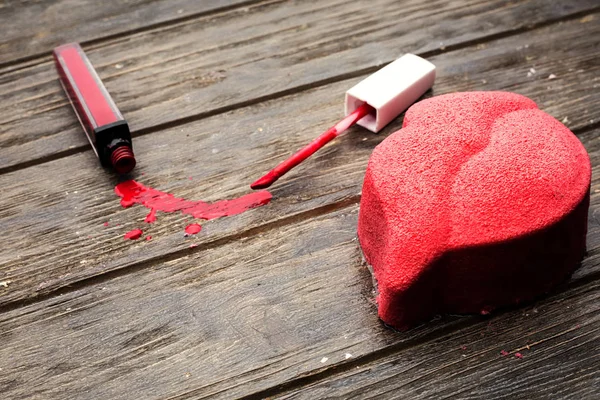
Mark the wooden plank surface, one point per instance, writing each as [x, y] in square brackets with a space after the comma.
[277, 301]
[63, 21]
[212, 64]
[557, 338]
[224, 153]
[252, 316]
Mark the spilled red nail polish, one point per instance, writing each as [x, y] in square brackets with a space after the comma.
[148, 238]
[192, 229]
[133, 234]
[132, 192]
[151, 217]
[106, 224]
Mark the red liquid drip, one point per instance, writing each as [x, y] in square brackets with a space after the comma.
[151, 217]
[133, 234]
[192, 229]
[132, 192]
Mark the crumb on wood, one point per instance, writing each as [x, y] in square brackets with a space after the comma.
[518, 355]
[504, 353]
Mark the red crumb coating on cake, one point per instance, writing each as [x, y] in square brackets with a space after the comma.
[479, 201]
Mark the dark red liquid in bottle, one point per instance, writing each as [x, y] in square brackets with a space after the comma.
[100, 118]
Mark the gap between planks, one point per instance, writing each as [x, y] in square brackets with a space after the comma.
[320, 375]
[296, 89]
[55, 286]
[127, 269]
[475, 360]
[44, 57]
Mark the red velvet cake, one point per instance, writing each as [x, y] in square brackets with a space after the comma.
[479, 201]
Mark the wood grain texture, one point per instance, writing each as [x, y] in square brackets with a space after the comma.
[209, 65]
[53, 231]
[275, 302]
[558, 339]
[251, 316]
[246, 314]
[33, 28]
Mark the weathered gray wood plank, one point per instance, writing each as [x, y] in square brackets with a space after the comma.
[31, 29]
[245, 318]
[558, 339]
[255, 309]
[211, 64]
[53, 233]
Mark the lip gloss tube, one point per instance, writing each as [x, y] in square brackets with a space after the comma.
[104, 126]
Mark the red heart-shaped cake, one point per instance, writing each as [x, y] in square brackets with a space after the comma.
[479, 201]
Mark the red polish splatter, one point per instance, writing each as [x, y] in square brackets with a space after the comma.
[133, 234]
[151, 217]
[518, 355]
[132, 192]
[193, 245]
[504, 353]
[106, 224]
[148, 238]
[192, 229]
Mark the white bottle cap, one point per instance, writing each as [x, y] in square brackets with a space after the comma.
[391, 90]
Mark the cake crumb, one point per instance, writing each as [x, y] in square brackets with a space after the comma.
[551, 76]
[504, 353]
[518, 355]
[324, 360]
[347, 356]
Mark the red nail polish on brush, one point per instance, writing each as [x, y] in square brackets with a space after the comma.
[100, 118]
